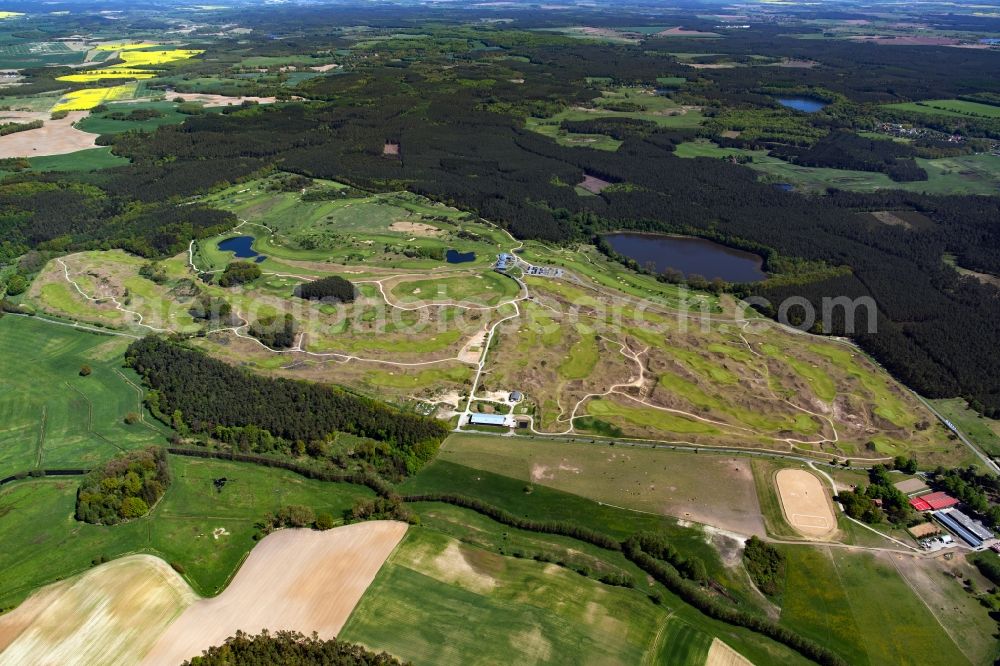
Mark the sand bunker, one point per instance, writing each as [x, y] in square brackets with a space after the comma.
[112, 614]
[55, 137]
[805, 503]
[294, 579]
[414, 228]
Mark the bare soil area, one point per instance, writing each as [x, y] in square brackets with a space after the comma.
[805, 503]
[55, 137]
[593, 184]
[112, 614]
[220, 100]
[299, 580]
[721, 654]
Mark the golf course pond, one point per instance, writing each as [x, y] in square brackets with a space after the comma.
[241, 247]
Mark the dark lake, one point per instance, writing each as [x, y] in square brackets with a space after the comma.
[241, 247]
[806, 104]
[456, 257]
[689, 256]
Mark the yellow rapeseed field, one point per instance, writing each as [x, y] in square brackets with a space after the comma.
[109, 73]
[82, 100]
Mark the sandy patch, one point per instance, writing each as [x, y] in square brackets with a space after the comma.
[681, 32]
[721, 654]
[55, 137]
[324, 68]
[414, 228]
[593, 184]
[298, 580]
[218, 100]
[111, 614]
[805, 503]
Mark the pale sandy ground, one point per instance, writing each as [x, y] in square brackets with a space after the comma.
[56, 137]
[218, 100]
[805, 503]
[110, 615]
[294, 579]
[721, 654]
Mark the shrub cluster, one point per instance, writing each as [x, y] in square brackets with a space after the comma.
[766, 566]
[239, 272]
[125, 488]
[274, 331]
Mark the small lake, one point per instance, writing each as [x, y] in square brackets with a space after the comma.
[689, 256]
[456, 257]
[804, 104]
[784, 187]
[242, 248]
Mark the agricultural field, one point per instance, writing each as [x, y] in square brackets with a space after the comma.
[111, 614]
[88, 98]
[139, 610]
[206, 531]
[847, 599]
[433, 587]
[659, 481]
[949, 107]
[649, 106]
[105, 123]
[52, 417]
[295, 580]
[964, 174]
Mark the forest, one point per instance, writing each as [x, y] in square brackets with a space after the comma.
[198, 394]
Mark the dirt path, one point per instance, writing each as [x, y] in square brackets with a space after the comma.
[299, 580]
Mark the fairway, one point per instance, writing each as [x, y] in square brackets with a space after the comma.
[50, 416]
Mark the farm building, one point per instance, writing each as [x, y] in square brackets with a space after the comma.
[933, 502]
[970, 531]
[488, 419]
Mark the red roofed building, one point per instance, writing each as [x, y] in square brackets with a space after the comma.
[933, 502]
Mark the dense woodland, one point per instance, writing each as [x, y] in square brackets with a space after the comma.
[198, 394]
[126, 487]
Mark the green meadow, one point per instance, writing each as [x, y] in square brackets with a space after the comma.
[50, 415]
